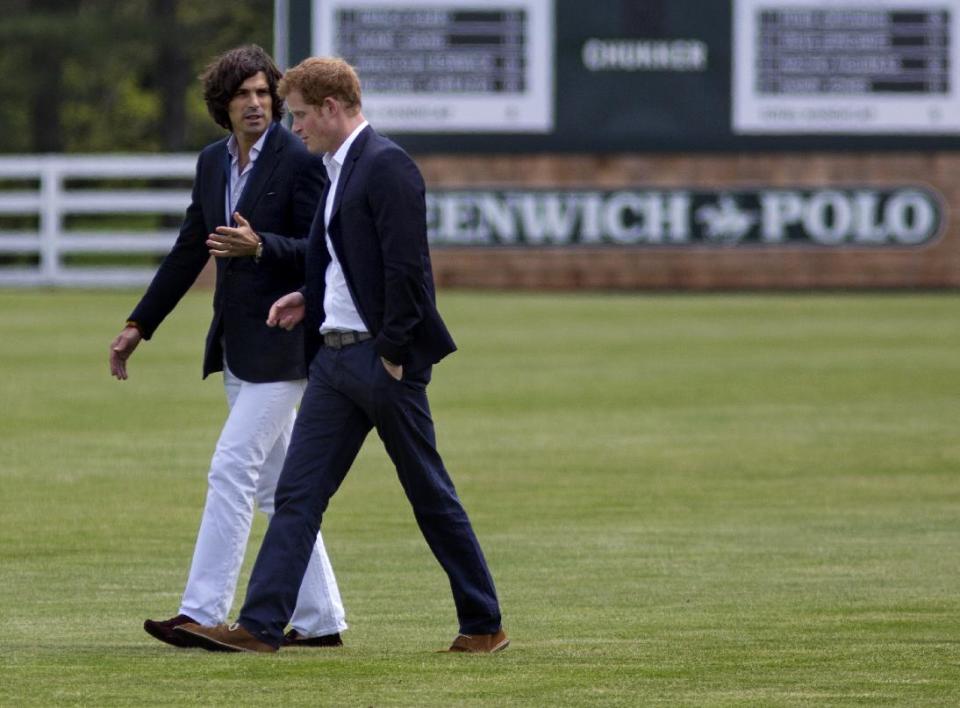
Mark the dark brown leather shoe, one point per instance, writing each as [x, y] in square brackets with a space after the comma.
[164, 630]
[293, 638]
[223, 638]
[480, 643]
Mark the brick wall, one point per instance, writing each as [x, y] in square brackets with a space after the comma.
[936, 265]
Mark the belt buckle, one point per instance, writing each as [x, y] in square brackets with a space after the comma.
[338, 339]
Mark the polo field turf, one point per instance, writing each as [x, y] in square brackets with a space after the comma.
[703, 500]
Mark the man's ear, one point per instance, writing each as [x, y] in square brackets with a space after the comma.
[332, 106]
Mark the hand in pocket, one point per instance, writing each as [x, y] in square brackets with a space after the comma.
[395, 370]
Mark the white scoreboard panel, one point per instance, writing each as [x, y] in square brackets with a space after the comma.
[431, 66]
[846, 67]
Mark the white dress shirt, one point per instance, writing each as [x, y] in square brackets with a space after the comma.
[341, 312]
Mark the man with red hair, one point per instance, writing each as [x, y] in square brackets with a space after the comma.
[373, 333]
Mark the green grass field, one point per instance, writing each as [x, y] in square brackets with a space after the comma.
[685, 500]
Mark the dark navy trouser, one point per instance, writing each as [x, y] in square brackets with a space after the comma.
[349, 392]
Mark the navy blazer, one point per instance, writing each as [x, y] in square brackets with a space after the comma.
[279, 201]
[378, 229]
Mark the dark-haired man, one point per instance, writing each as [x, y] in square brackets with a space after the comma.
[254, 197]
[370, 315]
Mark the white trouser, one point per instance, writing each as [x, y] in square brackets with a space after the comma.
[245, 467]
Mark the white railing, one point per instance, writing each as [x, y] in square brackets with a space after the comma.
[52, 201]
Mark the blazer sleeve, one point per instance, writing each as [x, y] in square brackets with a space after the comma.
[179, 269]
[289, 250]
[398, 202]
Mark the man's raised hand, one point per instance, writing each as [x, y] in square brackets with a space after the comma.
[231, 242]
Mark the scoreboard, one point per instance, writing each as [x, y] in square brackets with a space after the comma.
[811, 66]
[860, 51]
[444, 66]
[434, 51]
[549, 76]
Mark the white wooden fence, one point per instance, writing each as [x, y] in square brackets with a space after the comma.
[54, 200]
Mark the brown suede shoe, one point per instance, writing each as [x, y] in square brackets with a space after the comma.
[223, 638]
[164, 630]
[480, 643]
[293, 638]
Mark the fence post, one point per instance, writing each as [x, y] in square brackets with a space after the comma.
[51, 218]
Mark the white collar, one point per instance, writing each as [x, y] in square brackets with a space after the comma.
[341, 154]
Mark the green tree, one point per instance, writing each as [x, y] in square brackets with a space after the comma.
[116, 76]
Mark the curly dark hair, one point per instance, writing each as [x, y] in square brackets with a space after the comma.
[223, 77]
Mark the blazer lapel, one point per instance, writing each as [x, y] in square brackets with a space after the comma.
[352, 155]
[263, 168]
[218, 199]
[319, 226]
